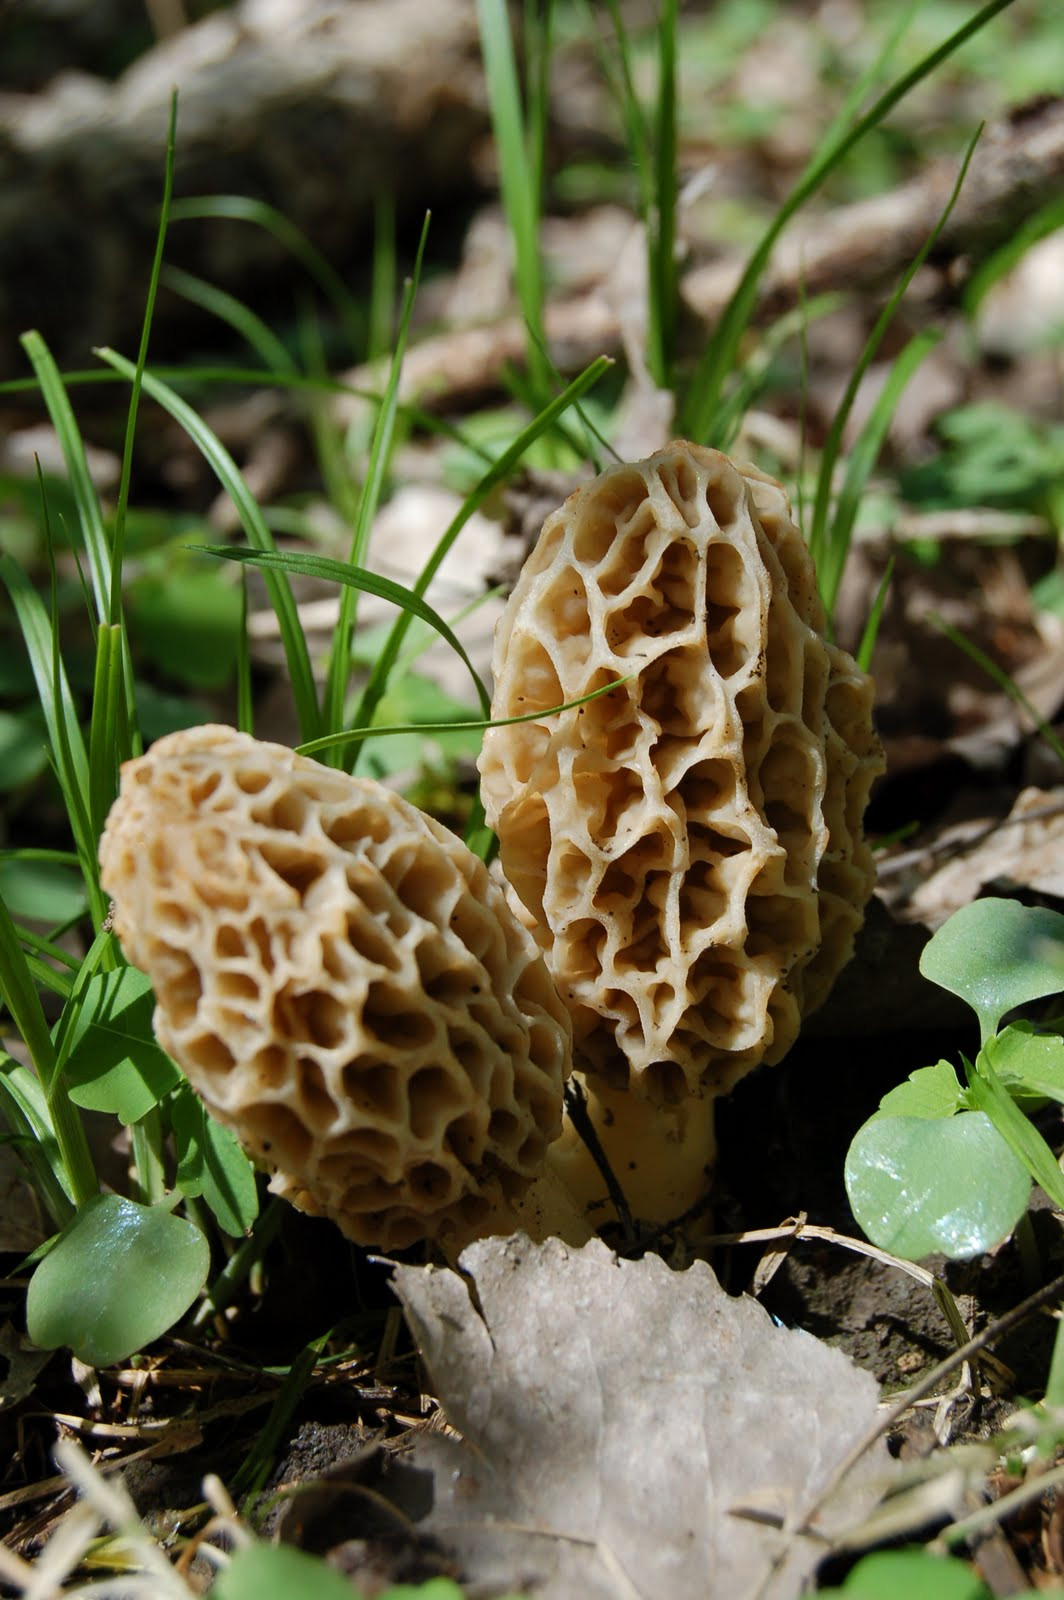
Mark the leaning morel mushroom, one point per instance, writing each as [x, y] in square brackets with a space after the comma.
[687, 848]
[342, 982]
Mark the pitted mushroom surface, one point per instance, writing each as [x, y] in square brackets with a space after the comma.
[688, 848]
[342, 982]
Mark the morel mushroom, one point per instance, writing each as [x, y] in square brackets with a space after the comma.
[687, 848]
[342, 982]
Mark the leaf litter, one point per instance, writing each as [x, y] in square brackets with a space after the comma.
[627, 1430]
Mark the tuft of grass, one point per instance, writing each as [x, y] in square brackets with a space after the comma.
[520, 141]
[702, 403]
[829, 540]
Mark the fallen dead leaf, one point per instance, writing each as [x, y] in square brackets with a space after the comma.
[620, 1424]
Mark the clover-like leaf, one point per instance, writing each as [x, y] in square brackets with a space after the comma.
[916, 1574]
[921, 1185]
[279, 1572]
[997, 954]
[119, 1275]
[114, 1063]
[1030, 1065]
[211, 1163]
[928, 1092]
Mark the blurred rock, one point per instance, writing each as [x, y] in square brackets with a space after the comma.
[314, 106]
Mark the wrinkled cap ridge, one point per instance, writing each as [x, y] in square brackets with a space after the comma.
[341, 981]
[688, 847]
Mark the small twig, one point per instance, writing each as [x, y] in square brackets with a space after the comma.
[576, 1106]
[989, 1515]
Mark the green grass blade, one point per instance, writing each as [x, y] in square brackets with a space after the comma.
[663, 286]
[69, 756]
[329, 571]
[1044, 222]
[245, 700]
[841, 123]
[90, 517]
[701, 403]
[496, 474]
[255, 1467]
[382, 288]
[862, 458]
[1003, 680]
[622, 84]
[23, 1110]
[537, 35]
[114, 613]
[870, 632]
[652, 145]
[339, 671]
[108, 729]
[757, 366]
[242, 208]
[988, 1094]
[256, 333]
[461, 725]
[829, 549]
[254, 524]
[23, 1002]
[520, 196]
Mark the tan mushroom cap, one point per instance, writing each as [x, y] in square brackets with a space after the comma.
[688, 848]
[342, 982]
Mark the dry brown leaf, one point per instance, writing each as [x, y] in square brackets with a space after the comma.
[616, 1415]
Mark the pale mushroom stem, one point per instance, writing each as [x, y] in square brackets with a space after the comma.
[662, 1157]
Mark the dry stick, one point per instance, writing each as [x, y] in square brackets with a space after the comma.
[580, 1117]
[1053, 1290]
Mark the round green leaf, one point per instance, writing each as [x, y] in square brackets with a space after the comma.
[919, 1186]
[119, 1275]
[913, 1573]
[279, 1572]
[927, 1092]
[997, 954]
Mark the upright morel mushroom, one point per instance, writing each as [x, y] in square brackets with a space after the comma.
[687, 848]
[342, 982]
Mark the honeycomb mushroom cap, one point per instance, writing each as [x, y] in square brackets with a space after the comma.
[688, 848]
[341, 981]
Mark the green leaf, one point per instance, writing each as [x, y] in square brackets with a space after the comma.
[23, 748]
[914, 1574]
[118, 1277]
[1030, 1065]
[42, 891]
[920, 1185]
[211, 1163]
[188, 623]
[997, 954]
[113, 1063]
[280, 1572]
[928, 1092]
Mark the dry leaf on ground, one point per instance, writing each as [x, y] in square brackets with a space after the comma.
[615, 1414]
